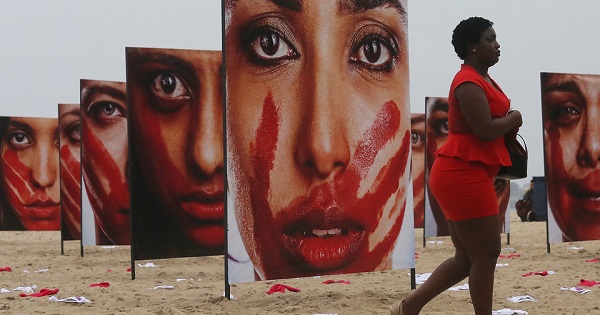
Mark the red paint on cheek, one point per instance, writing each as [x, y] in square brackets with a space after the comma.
[383, 130]
[22, 193]
[263, 157]
[340, 193]
[160, 165]
[17, 174]
[556, 177]
[102, 164]
[107, 189]
[71, 191]
[419, 198]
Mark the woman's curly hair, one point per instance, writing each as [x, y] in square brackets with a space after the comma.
[468, 31]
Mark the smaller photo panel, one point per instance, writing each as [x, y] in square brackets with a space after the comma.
[417, 139]
[104, 162]
[69, 144]
[29, 165]
[571, 120]
[436, 133]
[176, 152]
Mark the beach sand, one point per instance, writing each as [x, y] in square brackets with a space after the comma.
[30, 253]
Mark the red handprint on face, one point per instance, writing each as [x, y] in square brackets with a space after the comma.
[329, 230]
[107, 189]
[32, 204]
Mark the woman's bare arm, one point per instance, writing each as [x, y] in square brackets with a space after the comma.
[476, 110]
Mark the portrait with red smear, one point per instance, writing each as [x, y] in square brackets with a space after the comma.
[30, 188]
[318, 137]
[571, 116]
[69, 124]
[178, 176]
[104, 158]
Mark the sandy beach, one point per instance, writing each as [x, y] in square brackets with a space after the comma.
[198, 283]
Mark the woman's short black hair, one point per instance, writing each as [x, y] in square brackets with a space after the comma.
[468, 31]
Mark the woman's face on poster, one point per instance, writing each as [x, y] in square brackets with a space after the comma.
[104, 122]
[30, 171]
[177, 119]
[69, 120]
[417, 140]
[571, 111]
[318, 132]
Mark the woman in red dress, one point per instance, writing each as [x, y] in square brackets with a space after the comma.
[465, 168]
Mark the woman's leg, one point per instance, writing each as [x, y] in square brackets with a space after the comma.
[477, 245]
[447, 274]
[481, 240]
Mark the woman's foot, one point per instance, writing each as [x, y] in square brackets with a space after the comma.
[396, 309]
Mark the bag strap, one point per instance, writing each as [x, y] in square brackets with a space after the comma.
[524, 144]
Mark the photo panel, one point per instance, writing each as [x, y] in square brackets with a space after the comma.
[571, 122]
[176, 152]
[104, 154]
[417, 138]
[29, 168]
[318, 138]
[436, 133]
[69, 125]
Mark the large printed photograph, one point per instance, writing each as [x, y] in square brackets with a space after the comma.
[318, 137]
[176, 146]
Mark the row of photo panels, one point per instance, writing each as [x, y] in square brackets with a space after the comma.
[292, 151]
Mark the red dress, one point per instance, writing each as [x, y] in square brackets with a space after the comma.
[462, 175]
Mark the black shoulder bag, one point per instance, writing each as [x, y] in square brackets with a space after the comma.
[518, 157]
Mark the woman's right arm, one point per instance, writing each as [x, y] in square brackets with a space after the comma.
[476, 110]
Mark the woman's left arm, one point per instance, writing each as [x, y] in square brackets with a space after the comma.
[475, 108]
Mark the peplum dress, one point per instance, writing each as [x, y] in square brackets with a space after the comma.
[462, 175]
